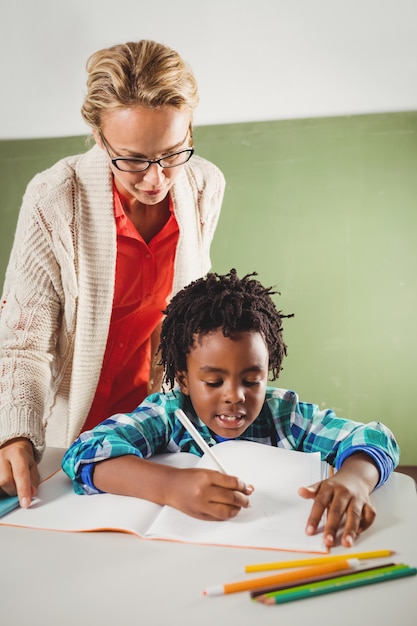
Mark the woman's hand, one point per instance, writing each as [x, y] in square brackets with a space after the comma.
[345, 497]
[18, 470]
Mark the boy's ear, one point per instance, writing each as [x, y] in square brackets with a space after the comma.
[182, 380]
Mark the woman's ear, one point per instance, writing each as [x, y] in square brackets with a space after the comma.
[182, 380]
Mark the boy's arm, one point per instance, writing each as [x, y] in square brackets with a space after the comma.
[201, 493]
[311, 429]
[143, 433]
[344, 494]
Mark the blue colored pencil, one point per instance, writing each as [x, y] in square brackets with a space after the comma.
[8, 504]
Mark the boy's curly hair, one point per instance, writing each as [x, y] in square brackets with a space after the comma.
[224, 302]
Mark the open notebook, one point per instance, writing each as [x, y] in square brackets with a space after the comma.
[276, 519]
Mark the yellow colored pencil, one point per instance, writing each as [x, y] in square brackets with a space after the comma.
[373, 554]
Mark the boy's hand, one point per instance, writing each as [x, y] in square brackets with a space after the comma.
[208, 495]
[18, 470]
[201, 493]
[345, 497]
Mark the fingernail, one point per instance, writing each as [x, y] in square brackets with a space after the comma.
[24, 503]
[329, 540]
[310, 530]
[247, 488]
[349, 540]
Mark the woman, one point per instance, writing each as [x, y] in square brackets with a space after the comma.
[103, 240]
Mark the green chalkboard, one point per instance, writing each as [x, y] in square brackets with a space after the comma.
[325, 210]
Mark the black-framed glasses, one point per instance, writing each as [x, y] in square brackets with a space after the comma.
[136, 164]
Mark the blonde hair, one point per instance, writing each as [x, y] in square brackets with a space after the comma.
[145, 72]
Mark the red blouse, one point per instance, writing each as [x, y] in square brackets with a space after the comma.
[143, 287]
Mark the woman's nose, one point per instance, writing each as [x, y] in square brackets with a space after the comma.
[154, 174]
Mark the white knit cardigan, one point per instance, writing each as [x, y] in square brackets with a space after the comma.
[58, 292]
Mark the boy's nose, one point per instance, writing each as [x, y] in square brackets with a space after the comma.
[234, 394]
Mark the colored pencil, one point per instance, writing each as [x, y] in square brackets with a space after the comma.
[315, 579]
[261, 567]
[189, 426]
[331, 586]
[296, 576]
[8, 504]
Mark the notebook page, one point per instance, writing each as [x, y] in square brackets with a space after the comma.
[277, 516]
[57, 507]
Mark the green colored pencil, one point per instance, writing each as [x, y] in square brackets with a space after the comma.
[337, 584]
[340, 575]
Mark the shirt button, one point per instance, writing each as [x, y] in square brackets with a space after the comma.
[121, 344]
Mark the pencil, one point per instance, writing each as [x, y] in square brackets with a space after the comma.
[8, 504]
[262, 591]
[261, 567]
[296, 576]
[188, 425]
[347, 582]
[335, 582]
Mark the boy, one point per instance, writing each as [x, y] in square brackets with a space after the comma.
[220, 339]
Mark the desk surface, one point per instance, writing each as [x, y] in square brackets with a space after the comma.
[104, 578]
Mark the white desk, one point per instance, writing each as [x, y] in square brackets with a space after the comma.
[66, 579]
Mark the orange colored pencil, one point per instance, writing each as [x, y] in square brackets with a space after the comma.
[292, 576]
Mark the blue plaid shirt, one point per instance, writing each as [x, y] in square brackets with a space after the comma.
[284, 421]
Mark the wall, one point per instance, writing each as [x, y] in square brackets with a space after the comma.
[255, 61]
[325, 210]
[321, 201]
